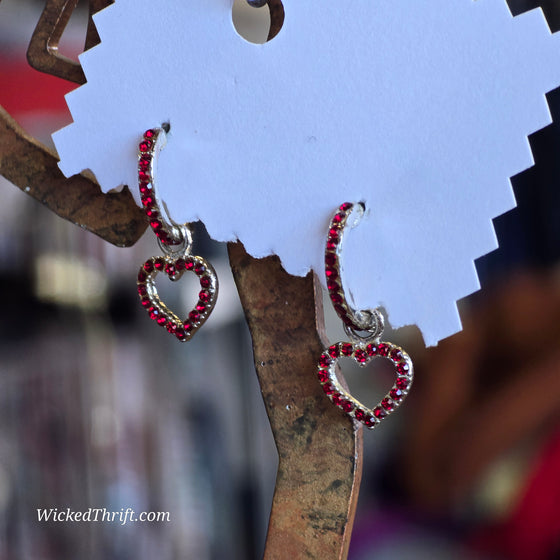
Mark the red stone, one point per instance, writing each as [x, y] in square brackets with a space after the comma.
[143, 176]
[347, 406]
[371, 350]
[151, 212]
[170, 269]
[188, 327]
[147, 201]
[337, 399]
[336, 298]
[403, 368]
[154, 313]
[149, 134]
[181, 334]
[146, 302]
[142, 289]
[387, 404]
[333, 233]
[180, 264]
[162, 236]
[142, 276]
[338, 218]
[156, 224]
[194, 316]
[144, 162]
[145, 146]
[324, 360]
[396, 355]
[369, 421]
[200, 307]
[402, 383]
[331, 273]
[323, 375]
[332, 286]
[382, 349]
[360, 356]
[330, 259]
[396, 394]
[161, 320]
[346, 349]
[171, 327]
[345, 207]
[379, 413]
[199, 269]
[359, 415]
[189, 264]
[331, 245]
[145, 188]
[205, 282]
[159, 263]
[334, 351]
[204, 296]
[328, 388]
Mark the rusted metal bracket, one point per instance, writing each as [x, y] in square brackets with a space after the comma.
[319, 448]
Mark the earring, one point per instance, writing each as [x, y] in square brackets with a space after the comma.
[364, 329]
[176, 243]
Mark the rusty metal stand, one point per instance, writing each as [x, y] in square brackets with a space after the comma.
[319, 448]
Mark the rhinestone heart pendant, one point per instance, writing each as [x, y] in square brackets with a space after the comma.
[174, 268]
[363, 353]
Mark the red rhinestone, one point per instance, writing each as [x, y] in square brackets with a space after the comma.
[152, 212]
[334, 352]
[331, 273]
[371, 349]
[147, 201]
[171, 327]
[145, 188]
[347, 406]
[345, 207]
[200, 307]
[346, 349]
[402, 383]
[142, 276]
[162, 236]
[189, 264]
[382, 349]
[359, 414]
[324, 360]
[145, 146]
[369, 421]
[330, 259]
[204, 297]
[336, 298]
[144, 162]
[180, 264]
[154, 313]
[188, 327]
[403, 368]
[199, 269]
[143, 176]
[194, 316]
[331, 245]
[379, 412]
[328, 388]
[162, 320]
[396, 355]
[181, 334]
[337, 399]
[156, 224]
[323, 375]
[146, 302]
[142, 290]
[360, 356]
[159, 264]
[332, 286]
[205, 282]
[149, 134]
[396, 394]
[338, 218]
[170, 269]
[387, 404]
[333, 233]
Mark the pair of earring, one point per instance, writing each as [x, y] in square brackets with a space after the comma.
[364, 328]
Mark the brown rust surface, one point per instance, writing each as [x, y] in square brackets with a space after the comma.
[33, 168]
[319, 448]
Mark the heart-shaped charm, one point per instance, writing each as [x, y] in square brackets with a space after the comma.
[363, 353]
[174, 268]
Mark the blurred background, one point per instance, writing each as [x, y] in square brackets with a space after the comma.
[99, 408]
